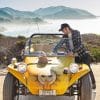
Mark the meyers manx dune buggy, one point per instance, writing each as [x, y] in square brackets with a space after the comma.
[44, 73]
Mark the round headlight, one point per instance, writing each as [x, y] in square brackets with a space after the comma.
[74, 68]
[21, 67]
[13, 61]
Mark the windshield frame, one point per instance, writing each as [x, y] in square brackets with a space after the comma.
[29, 41]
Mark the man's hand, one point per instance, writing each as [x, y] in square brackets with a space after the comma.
[70, 54]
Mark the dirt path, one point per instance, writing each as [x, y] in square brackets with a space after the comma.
[96, 70]
[2, 76]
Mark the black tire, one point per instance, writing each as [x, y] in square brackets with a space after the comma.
[86, 88]
[8, 87]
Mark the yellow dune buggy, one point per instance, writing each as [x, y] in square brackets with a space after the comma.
[44, 73]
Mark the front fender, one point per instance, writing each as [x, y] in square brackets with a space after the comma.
[83, 71]
[61, 85]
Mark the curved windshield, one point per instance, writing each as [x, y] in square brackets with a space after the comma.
[44, 44]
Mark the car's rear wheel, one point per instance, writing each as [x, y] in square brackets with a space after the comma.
[9, 88]
[85, 88]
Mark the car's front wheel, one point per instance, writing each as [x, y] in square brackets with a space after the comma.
[85, 88]
[9, 88]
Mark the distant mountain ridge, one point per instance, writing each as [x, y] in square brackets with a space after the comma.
[62, 12]
[11, 15]
[59, 12]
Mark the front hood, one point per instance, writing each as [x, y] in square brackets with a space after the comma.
[56, 64]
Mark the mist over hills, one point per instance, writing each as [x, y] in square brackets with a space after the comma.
[59, 12]
[11, 15]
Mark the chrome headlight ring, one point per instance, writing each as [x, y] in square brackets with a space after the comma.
[74, 68]
[21, 67]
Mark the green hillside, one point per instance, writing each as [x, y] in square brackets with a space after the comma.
[13, 46]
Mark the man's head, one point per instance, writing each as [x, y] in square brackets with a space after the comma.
[65, 28]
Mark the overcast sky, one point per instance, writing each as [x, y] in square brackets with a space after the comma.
[92, 6]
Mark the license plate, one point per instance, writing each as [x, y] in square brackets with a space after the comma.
[47, 92]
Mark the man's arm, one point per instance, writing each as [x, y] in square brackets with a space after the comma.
[59, 45]
[78, 45]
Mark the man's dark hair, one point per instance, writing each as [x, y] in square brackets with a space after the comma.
[64, 26]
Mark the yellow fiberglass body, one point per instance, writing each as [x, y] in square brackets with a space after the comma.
[57, 64]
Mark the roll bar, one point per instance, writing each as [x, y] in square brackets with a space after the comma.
[40, 34]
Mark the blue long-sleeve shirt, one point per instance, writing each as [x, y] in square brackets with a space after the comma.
[78, 46]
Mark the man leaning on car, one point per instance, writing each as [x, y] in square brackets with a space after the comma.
[76, 47]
